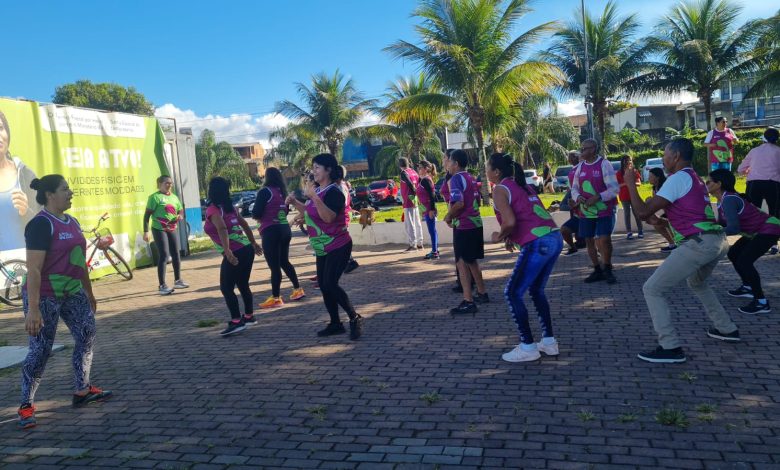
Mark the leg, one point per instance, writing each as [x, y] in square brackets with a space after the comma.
[227, 282]
[567, 236]
[409, 228]
[284, 259]
[246, 256]
[173, 243]
[627, 215]
[334, 295]
[548, 252]
[476, 274]
[161, 241]
[77, 314]
[710, 250]
[639, 227]
[773, 201]
[431, 224]
[39, 348]
[604, 245]
[518, 283]
[592, 253]
[417, 226]
[744, 263]
[272, 254]
[734, 254]
[465, 280]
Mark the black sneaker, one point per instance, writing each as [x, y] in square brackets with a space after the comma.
[773, 250]
[351, 266]
[481, 298]
[596, 276]
[609, 276]
[668, 248]
[732, 337]
[755, 307]
[332, 329]
[664, 356]
[233, 328]
[93, 394]
[355, 327]
[742, 291]
[571, 251]
[250, 320]
[464, 307]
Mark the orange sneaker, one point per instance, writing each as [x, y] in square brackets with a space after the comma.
[26, 417]
[297, 294]
[272, 302]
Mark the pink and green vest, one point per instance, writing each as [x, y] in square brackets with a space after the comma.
[325, 237]
[65, 264]
[275, 212]
[532, 220]
[751, 220]
[236, 237]
[692, 214]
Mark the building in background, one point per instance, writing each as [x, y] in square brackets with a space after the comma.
[764, 111]
[253, 155]
[694, 116]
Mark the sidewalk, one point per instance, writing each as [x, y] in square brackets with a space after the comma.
[421, 389]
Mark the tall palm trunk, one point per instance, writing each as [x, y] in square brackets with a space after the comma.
[333, 147]
[477, 119]
[600, 111]
[706, 98]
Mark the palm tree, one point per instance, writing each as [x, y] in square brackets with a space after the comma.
[295, 145]
[467, 48]
[214, 158]
[767, 51]
[699, 48]
[332, 106]
[614, 54]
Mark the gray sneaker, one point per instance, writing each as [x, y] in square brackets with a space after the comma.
[165, 290]
[179, 284]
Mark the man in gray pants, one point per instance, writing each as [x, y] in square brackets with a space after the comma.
[685, 200]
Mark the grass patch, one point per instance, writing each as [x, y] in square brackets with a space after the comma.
[585, 416]
[365, 380]
[318, 412]
[706, 417]
[430, 398]
[207, 323]
[672, 417]
[199, 245]
[627, 418]
[689, 377]
[706, 408]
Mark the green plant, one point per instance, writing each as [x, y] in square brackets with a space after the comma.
[585, 415]
[706, 417]
[365, 380]
[430, 398]
[706, 408]
[318, 412]
[207, 323]
[672, 417]
[687, 376]
[627, 418]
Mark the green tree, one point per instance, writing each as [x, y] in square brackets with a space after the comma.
[214, 158]
[467, 47]
[331, 108]
[295, 146]
[537, 136]
[615, 56]
[699, 46]
[767, 53]
[104, 96]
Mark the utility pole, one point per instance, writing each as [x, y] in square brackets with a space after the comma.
[588, 103]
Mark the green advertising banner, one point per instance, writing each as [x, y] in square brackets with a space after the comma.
[110, 160]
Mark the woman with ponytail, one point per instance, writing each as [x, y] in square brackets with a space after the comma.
[425, 194]
[527, 226]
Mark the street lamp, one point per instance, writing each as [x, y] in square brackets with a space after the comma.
[586, 94]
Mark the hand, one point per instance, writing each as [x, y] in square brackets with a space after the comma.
[146, 237]
[432, 214]
[33, 323]
[509, 246]
[19, 200]
[494, 237]
[180, 216]
[92, 302]
[258, 249]
[448, 220]
[231, 258]
[290, 200]
[310, 191]
[593, 200]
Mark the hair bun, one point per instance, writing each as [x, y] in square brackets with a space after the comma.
[35, 184]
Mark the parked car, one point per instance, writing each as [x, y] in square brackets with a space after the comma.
[383, 192]
[360, 192]
[649, 164]
[204, 204]
[247, 199]
[533, 179]
[561, 179]
[615, 165]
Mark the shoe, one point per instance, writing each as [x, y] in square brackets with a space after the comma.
[179, 284]
[411, 248]
[435, 255]
[351, 266]
[313, 278]
[732, 337]
[571, 251]
[26, 417]
[332, 329]
[233, 328]
[165, 290]
[609, 276]
[755, 307]
[742, 291]
[464, 307]
[250, 320]
[663, 356]
[297, 294]
[521, 355]
[668, 248]
[548, 349]
[93, 394]
[641, 235]
[272, 302]
[355, 327]
[420, 247]
[481, 298]
[629, 236]
[596, 276]
[773, 250]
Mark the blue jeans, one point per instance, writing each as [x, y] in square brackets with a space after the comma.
[431, 224]
[720, 165]
[531, 272]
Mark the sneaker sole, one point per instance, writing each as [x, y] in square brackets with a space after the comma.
[524, 360]
[237, 330]
[267, 307]
[166, 293]
[724, 338]
[22, 427]
[768, 310]
[741, 296]
[661, 361]
[297, 298]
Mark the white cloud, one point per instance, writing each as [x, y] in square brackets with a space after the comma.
[236, 128]
[571, 107]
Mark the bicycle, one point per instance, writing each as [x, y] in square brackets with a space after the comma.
[12, 273]
[103, 239]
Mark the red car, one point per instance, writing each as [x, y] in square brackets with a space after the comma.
[383, 192]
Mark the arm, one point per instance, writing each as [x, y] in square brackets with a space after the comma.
[409, 185]
[575, 187]
[456, 199]
[251, 236]
[744, 167]
[611, 181]
[708, 140]
[644, 210]
[731, 207]
[325, 212]
[224, 239]
[262, 198]
[428, 187]
[501, 199]
[33, 321]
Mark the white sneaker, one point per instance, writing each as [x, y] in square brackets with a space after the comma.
[520, 355]
[548, 349]
[165, 290]
[179, 284]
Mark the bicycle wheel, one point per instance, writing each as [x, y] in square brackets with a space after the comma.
[118, 263]
[12, 286]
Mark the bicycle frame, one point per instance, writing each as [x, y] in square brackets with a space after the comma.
[94, 243]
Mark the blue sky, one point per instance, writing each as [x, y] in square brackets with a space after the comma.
[223, 65]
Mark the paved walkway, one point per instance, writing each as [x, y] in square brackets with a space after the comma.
[420, 390]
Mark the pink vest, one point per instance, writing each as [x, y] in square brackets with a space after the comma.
[408, 201]
[724, 150]
[422, 195]
[532, 220]
[591, 183]
[574, 212]
[445, 190]
[236, 237]
[275, 212]
[751, 220]
[692, 213]
[325, 237]
[469, 217]
[65, 264]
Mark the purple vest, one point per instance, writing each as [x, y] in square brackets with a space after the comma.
[408, 201]
[751, 220]
[724, 150]
[591, 183]
[532, 220]
[236, 237]
[692, 213]
[469, 217]
[422, 195]
[275, 212]
[65, 264]
[325, 237]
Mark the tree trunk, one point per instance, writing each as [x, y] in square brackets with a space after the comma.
[416, 146]
[477, 118]
[333, 148]
[600, 110]
[707, 100]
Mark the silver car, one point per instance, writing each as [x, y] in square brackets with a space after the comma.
[649, 164]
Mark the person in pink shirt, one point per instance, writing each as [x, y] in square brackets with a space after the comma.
[762, 167]
[409, 181]
[720, 142]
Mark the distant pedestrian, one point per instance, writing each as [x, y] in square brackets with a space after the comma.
[427, 198]
[165, 211]
[720, 144]
[762, 167]
[625, 199]
[570, 227]
[409, 181]
[352, 264]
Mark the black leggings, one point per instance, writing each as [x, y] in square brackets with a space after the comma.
[329, 270]
[167, 245]
[276, 249]
[760, 190]
[744, 253]
[231, 277]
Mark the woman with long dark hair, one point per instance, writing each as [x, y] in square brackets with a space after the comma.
[57, 286]
[759, 231]
[327, 216]
[165, 210]
[527, 226]
[233, 238]
[271, 210]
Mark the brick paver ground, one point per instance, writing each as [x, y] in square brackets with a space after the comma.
[421, 389]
